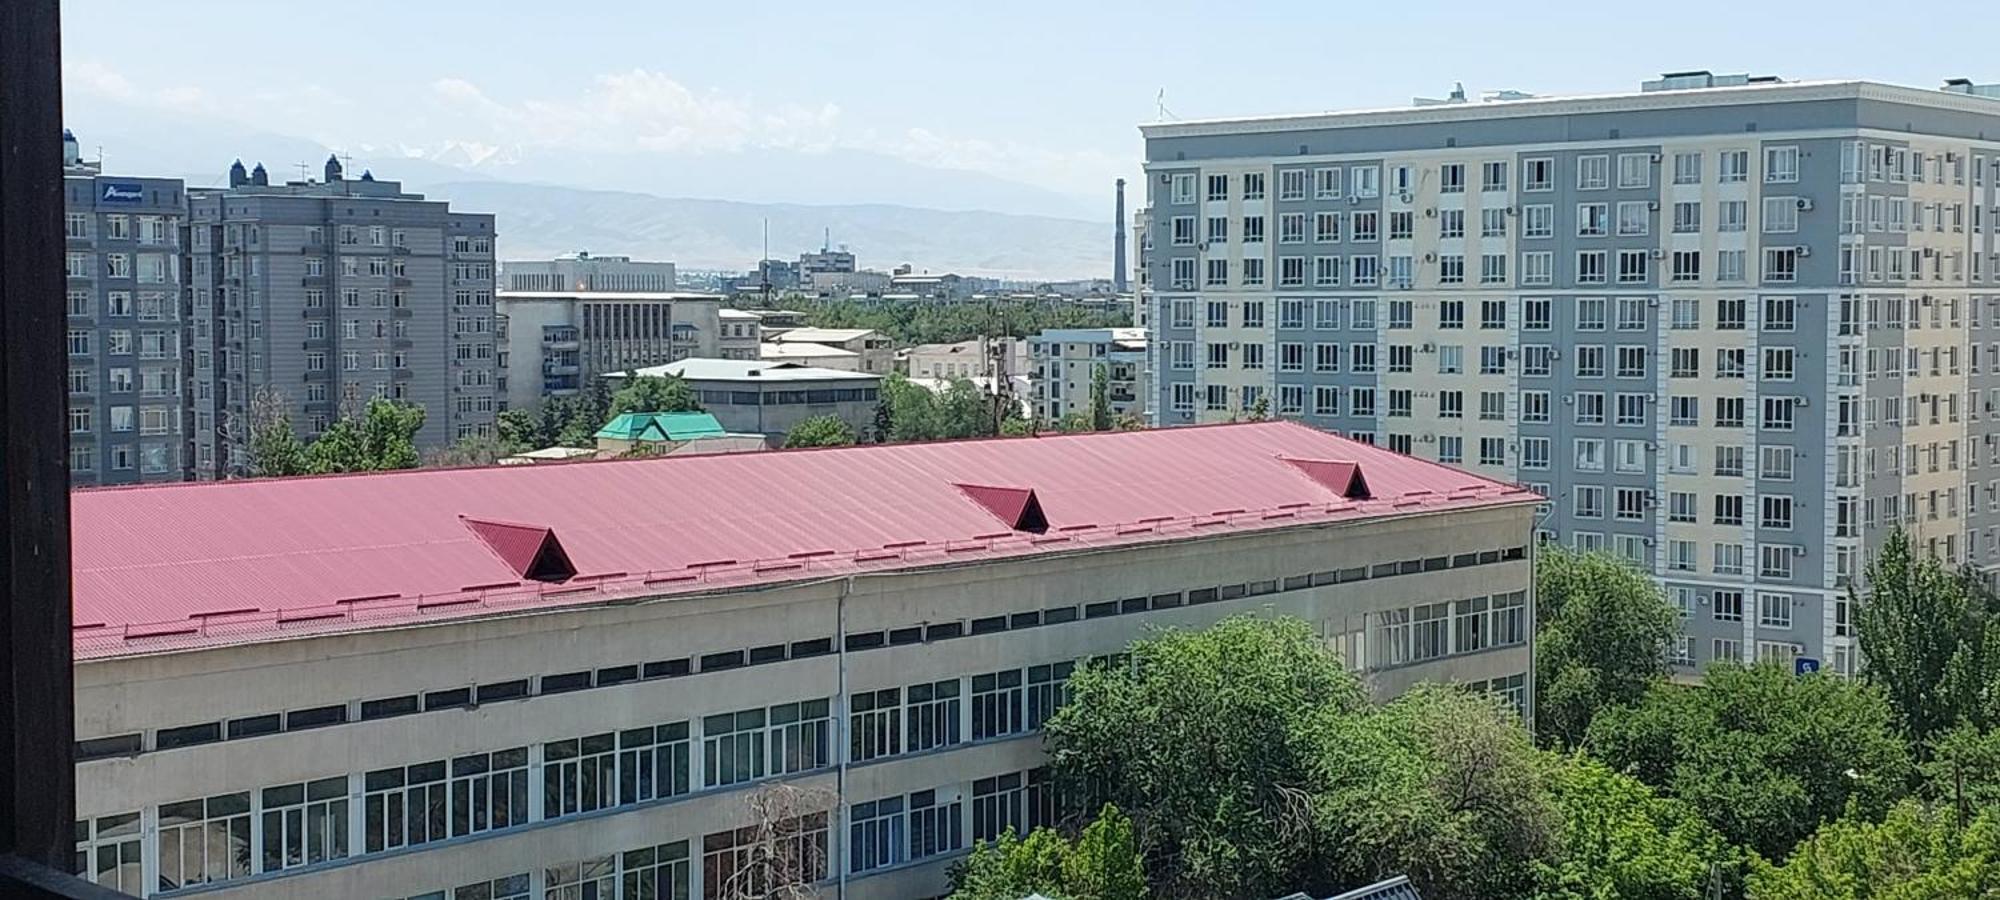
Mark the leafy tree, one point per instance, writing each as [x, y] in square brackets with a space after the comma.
[519, 431]
[1015, 426]
[1620, 840]
[934, 323]
[1964, 770]
[649, 394]
[1603, 629]
[1074, 422]
[1917, 853]
[1765, 755]
[1441, 784]
[1931, 639]
[917, 413]
[1128, 422]
[471, 450]
[1101, 864]
[275, 449]
[1258, 411]
[1209, 742]
[1100, 398]
[382, 437]
[820, 431]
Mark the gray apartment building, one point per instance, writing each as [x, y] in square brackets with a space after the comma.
[122, 238]
[319, 294]
[583, 271]
[1734, 328]
[554, 342]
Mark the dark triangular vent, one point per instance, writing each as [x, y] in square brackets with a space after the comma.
[1017, 507]
[532, 551]
[1343, 478]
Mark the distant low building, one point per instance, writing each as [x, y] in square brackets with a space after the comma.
[806, 353]
[770, 398]
[1065, 361]
[842, 284]
[934, 287]
[554, 342]
[741, 333]
[877, 352]
[665, 434]
[774, 322]
[580, 271]
[1003, 357]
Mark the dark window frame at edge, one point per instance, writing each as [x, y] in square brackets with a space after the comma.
[37, 699]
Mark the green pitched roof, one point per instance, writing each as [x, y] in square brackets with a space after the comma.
[679, 426]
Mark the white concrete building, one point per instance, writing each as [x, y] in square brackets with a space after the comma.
[581, 271]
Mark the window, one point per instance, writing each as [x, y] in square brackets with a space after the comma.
[1292, 228]
[1253, 185]
[1591, 267]
[1774, 561]
[1687, 168]
[1183, 189]
[998, 804]
[1492, 268]
[204, 841]
[1402, 225]
[1733, 166]
[1686, 266]
[1218, 187]
[1589, 502]
[1774, 610]
[1781, 215]
[1451, 178]
[1592, 219]
[1781, 164]
[1292, 184]
[1632, 360]
[1493, 222]
[1631, 504]
[1593, 172]
[1364, 225]
[1633, 266]
[1534, 406]
[1538, 174]
[1781, 264]
[1778, 413]
[1632, 408]
[1635, 170]
[1326, 183]
[1727, 606]
[1634, 218]
[1729, 412]
[1538, 221]
[1590, 361]
[1253, 229]
[1451, 223]
[1326, 227]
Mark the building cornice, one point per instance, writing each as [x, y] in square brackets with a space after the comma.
[1741, 95]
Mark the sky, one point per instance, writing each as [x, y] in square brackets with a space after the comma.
[1043, 94]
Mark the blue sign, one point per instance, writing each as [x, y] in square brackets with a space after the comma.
[1804, 665]
[122, 192]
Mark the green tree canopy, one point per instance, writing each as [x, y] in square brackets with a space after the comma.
[1964, 769]
[1917, 852]
[1603, 632]
[820, 431]
[913, 412]
[1620, 840]
[381, 436]
[1100, 398]
[649, 394]
[275, 449]
[939, 323]
[1103, 863]
[1441, 784]
[1765, 755]
[518, 431]
[1208, 740]
[1931, 639]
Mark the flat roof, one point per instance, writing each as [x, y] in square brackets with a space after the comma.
[737, 314]
[605, 295]
[822, 335]
[803, 349]
[184, 566]
[706, 369]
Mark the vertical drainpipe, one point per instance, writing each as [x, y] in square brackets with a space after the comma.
[839, 837]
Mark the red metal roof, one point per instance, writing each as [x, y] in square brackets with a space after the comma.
[161, 567]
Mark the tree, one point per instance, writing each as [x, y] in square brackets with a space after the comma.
[1207, 742]
[1618, 839]
[518, 431]
[1101, 864]
[1930, 639]
[1441, 784]
[1964, 771]
[275, 448]
[1765, 755]
[471, 450]
[1603, 630]
[1100, 398]
[1074, 422]
[650, 394]
[786, 852]
[1259, 410]
[381, 437]
[907, 411]
[820, 431]
[934, 323]
[1917, 853]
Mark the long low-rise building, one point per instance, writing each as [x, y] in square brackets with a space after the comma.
[642, 678]
[768, 398]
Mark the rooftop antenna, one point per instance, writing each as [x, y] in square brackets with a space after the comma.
[1161, 100]
[304, 169]
[764, 264]
[825, 243]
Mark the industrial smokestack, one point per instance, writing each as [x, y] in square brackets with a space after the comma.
[1118, 246]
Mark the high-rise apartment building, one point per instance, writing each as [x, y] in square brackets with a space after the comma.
[554, 342]
[573, 680]
[312, 296]
[584, 272]
[1734, 328]
[1064, 362]
[122, 238]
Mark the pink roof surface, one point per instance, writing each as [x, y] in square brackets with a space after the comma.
[179, 566]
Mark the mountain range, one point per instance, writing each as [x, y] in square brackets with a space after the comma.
[701, 211]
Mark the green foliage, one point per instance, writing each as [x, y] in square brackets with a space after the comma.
[940, 323]
[1619, 840]
[913, 412]
[471, 450]
[1258, 411]
[1603, 632]
[1100, 398]
[1441, 784]
[275, 448]
[1209, 741]
[381, 437]
[1015, 426]
[820, 431]
[1074, 422]
[1101, 864]
[651, 394]
[1916, 853]
[519, 431]
[1765, 755]
[1964, 769]
[1930, 638]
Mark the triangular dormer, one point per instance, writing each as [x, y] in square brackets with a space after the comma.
[1015, 506]
[1343, 478]
[532, 551]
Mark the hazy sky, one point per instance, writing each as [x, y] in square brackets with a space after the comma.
[1047, 93]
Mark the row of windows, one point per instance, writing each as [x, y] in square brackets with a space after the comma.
[1634, 170]
[1444, 628]
[1775, 561]
[722, 660]
[1537, 268]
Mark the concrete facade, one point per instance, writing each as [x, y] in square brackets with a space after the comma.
[1656, 308]
[607, 745]
[583, 272]
[556, 341]
[1064, 362]
[738, 335]
[320, 294]
[769, 398]
[876, 352]
[128, 419]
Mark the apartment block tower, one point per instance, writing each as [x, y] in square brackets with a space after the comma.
[312, 296]
[121, 236]
[1734, 328]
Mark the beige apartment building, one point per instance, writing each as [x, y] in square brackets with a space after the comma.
[876, 353]
[575, 681]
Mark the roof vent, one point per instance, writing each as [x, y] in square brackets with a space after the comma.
[532, 551]
[1017, 507]
[1343, 478]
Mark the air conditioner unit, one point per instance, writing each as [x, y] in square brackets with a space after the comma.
[1428, 439]
[1653, 205]
[1202, 247]
[1353, 200]
[1430, 257]
[1656, 157]
[1798, 550]
[1429, 347]
[1653, 301]
[1805, 250]
[1804, 401]
[1805, 204]
[1166, 178]
[1659, 253]
[1404, 196]
[1431, 213]
[1234, 345]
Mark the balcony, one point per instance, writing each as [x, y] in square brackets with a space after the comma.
[313, 281]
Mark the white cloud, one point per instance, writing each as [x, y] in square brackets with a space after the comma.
[95, 78]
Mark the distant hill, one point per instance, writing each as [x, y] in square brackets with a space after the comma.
[543, 220]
